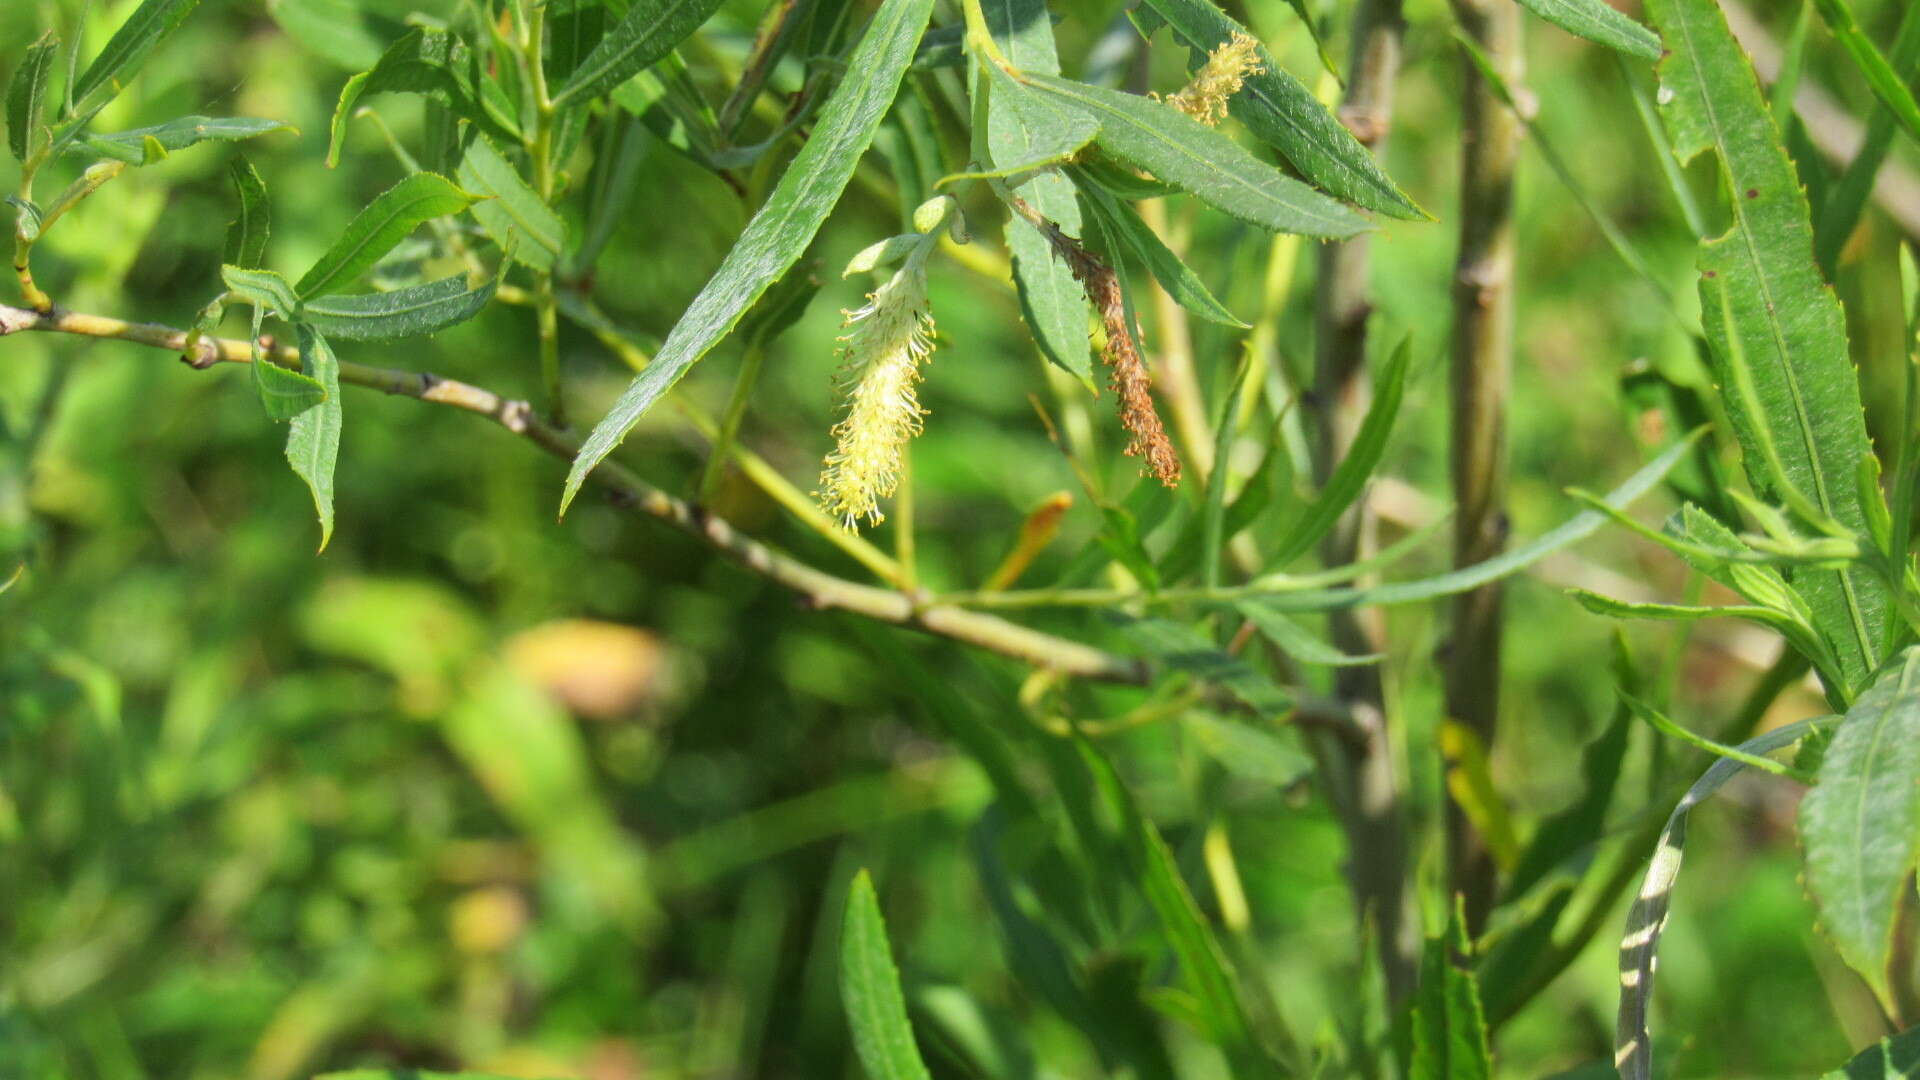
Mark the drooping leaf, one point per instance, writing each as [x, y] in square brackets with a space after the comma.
[783, 228]
[1598, 22]
[152, 21]
[313, 436]
[511, 207]
[26, 95]
[1449, 1027]
[434, 63]
[1174, 275]
[414, 311]
[1785, 329]
[650, 30]
[374, 231]
[1283, 113]
[284, 393]
[252, 223]
[1860, 825]
[1024, 126]
[1647, 918]
[1182, 151]
[870, 990]
[132, 146]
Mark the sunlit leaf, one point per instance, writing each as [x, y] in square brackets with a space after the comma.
[132, 146]
[511, 207]
[870, 990]
[650, 30]
[26, 95]
[313, 436]
[385, 222]
[152, 21]
[414, 311]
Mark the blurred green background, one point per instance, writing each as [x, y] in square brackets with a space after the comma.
[476, 788]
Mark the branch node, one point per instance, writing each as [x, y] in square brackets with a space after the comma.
[515, 415]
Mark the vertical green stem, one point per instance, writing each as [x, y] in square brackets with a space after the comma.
[540, 148]
[1482, 359]
[1371, 801]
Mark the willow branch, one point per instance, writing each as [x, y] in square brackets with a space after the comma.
[818, 589]
[1482, 359]
[1366, 792]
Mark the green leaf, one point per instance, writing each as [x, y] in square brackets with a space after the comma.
[1182, 151]
[283, 393]
[1598, 22]
[132, 146]
[1840, 209]
[1024, 126]
[373, 232]
[263, 289]
[1350, 476]
[1179, 648]
[26, 94]
[438, 65]
[1294, 640]
[247, 234]
[1203, 962]
[1283, 113]
[512, 208]
[1860, 824]
[1888, 1059]
[1267, 756]
[27, 218]
[1786, 335]
[414, 311]
[313, 437]
[1167, 268]
[650, 30]
[783, 228]
[870, 990]
[1575, 529]
[1449, 1027]
[129, 46]
[1647, 919]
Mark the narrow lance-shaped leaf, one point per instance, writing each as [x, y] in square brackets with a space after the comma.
[1861, 823]
[129, 46]
[1023, 126]
[414, 311]
[313, 436]
[252, 223]
[1182, 151]
[511, 207]
[26, 94]
[132, 146]
[1449, 1026]
[870, 990]
[1895, 1058]
[283, 393]
[650, 30]
[1350, 476]
[375, 230]
[1283, 113]
[1598, 22]
[1886, 83]
[1786, 326]
[1840, 210]
[263, 289]
[783, 228]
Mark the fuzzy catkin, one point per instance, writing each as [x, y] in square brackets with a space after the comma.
[886, 342]
[1227, 67]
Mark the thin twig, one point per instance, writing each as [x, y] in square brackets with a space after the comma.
[1482, 359]
[818, 589]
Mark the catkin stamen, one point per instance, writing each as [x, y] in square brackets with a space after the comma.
[886, 342]
[1227, 68]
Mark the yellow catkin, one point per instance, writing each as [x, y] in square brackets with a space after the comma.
[1227, 67]
[885, 344]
